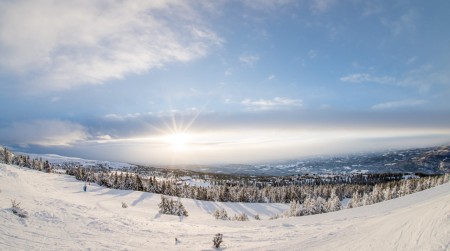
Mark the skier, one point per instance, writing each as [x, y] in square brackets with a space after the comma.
[84, 187]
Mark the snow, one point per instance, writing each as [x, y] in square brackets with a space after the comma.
[63, 217]
[187, 180]
[197, 183]
[58, 159]
[344, 202]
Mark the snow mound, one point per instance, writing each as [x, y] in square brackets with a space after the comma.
[63, 217]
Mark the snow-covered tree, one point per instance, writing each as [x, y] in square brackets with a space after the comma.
[138, 186]
[221, 214]
[333, 204]
[295, 209]
[240, 217]
[355, 201]
[169, 206]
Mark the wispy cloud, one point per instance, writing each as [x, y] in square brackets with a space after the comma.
[117, 117]
[371, 8]
[69, 43]
[411, 60]
[404, 23]
[399, 104]
[421, 78]
[315, 6]
[267, 5]
[312, 54]
[424, 77]
[249, 59]
[43, 133]
[228, 72]
[322, 5]
[271, 104]
[365, 77]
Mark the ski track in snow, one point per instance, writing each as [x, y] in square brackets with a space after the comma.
[63, 217]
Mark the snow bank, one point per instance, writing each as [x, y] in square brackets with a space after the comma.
[63, 217]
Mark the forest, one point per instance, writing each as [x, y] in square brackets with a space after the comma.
[312, 196]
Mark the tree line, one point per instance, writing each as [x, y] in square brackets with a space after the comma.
[361, 194]
[304, 199]
[7, 157]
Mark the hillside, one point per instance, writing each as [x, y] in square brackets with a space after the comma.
[63, 217]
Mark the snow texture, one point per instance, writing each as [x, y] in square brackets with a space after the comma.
[63, 217]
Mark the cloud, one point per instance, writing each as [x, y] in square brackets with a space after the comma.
[315, 6]
[70, 43]
[271, 77]
[318, 6]
[411, 60]
[421, 78]
[267, 5]
[249, 59]
[404, 23]
[271, 104]
[312, 54]
[43, 133]
[277, 113]
[365, 77]
[399, 104]
[371, 8]
[424, 77]
[241, 136]
[116, 117]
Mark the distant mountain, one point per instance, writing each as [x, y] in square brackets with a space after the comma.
[424, 160]
[439, 157]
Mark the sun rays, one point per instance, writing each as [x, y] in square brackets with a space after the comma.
[176, 133]
[178, 141]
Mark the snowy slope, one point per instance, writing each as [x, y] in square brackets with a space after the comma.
[58, 160]
[63, 217]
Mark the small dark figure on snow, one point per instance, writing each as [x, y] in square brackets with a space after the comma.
[217, 240]
[84, 187]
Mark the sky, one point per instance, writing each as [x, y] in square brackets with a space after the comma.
[213, 82]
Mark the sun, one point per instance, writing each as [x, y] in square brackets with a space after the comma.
[178, 141]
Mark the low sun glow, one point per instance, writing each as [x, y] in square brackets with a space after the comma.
[178, 141]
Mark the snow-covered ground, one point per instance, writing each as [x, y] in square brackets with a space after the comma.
[56, 159]
[63, 217]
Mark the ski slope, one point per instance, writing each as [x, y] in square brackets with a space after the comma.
[63, 217]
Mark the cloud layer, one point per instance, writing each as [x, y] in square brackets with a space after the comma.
[69, 43]
[43, 133]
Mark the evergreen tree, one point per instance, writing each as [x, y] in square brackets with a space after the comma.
[138, 186]
[47, 167]
[333, 204]
[295, 209]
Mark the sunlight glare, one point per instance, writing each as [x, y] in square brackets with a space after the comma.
[178, 141]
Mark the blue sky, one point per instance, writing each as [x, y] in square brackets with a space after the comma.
[199, 82]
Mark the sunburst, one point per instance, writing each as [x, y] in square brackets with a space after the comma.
[178, 141]
[176, 133]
